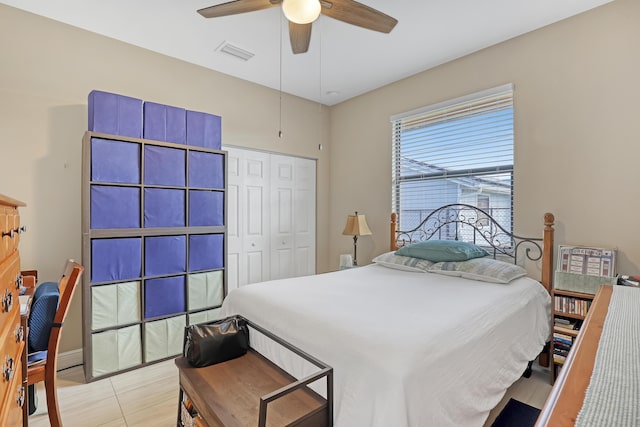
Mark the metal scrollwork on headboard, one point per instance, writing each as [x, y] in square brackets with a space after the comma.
[468, 223]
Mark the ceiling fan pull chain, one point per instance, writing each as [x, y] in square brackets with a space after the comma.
[280, 83]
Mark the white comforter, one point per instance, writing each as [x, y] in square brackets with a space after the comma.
[407, 349]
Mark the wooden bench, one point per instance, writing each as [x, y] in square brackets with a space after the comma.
[238, 392]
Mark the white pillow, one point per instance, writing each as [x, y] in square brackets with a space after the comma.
[405, 263]
[483, 269]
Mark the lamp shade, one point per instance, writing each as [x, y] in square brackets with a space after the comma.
[356, 226]
[301, 11]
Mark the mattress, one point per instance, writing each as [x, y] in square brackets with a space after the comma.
[407, 349]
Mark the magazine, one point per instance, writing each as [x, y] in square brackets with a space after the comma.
[586, 260]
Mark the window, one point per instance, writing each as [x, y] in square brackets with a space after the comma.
[458, 151]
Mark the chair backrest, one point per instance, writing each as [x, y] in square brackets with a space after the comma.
[44, 306]
[67, 286]
[70, 278]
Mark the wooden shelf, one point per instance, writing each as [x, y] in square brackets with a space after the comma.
[229, 393]
[571, 315]
[573, 294]
[251, 391]
[573, 333]
[566, 397]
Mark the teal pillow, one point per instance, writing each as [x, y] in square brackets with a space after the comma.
[443, 250]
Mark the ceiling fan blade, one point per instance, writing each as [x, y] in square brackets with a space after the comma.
[237, 6]
[300, 36]
[358, 14]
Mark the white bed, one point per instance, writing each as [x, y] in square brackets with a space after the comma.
[407, 348]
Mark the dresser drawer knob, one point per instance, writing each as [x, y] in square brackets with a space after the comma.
[7, 370]
[20, 396]
[19, 334]
[7, 301]
[21, 230]
[9, 233]
[19, 281]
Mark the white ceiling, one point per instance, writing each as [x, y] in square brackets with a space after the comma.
[343, 61]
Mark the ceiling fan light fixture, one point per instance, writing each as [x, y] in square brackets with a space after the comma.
[301, 11]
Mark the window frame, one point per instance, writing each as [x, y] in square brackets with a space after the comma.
[491, 100]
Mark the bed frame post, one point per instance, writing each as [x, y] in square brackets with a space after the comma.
[393, 227]
[544, 359]
[547, 254]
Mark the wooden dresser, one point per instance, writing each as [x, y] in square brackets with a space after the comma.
[567, 395]
[12, 331]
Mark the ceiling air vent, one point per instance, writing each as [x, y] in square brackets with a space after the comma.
[235, 51]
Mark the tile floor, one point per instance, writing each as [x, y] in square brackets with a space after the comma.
[142, 397]
[149, 397]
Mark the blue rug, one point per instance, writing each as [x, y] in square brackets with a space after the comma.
[517, 414]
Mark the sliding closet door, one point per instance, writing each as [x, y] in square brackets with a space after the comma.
[282, 223]
[271, 216]
[293, 210]
[247, 244]
[304, 217]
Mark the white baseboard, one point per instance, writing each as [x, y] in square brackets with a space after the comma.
[70, 358]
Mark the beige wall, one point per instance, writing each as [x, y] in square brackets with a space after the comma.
[47, 70]
[577, 133]
[576, 129]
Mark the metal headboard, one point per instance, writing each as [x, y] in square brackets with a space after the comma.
[459, 221]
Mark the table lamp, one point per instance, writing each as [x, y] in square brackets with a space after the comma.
[356, 226]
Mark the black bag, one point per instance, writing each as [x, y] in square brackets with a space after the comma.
[216, 342]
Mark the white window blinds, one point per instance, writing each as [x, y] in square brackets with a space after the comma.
[459, 151]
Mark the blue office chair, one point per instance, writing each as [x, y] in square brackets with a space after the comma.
[48, 310]
[43, 309]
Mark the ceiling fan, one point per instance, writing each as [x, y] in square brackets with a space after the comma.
[301, 13]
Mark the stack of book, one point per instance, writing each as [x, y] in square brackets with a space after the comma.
[561, 346]
[567, 326]
[571, 305]
[564, 331]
